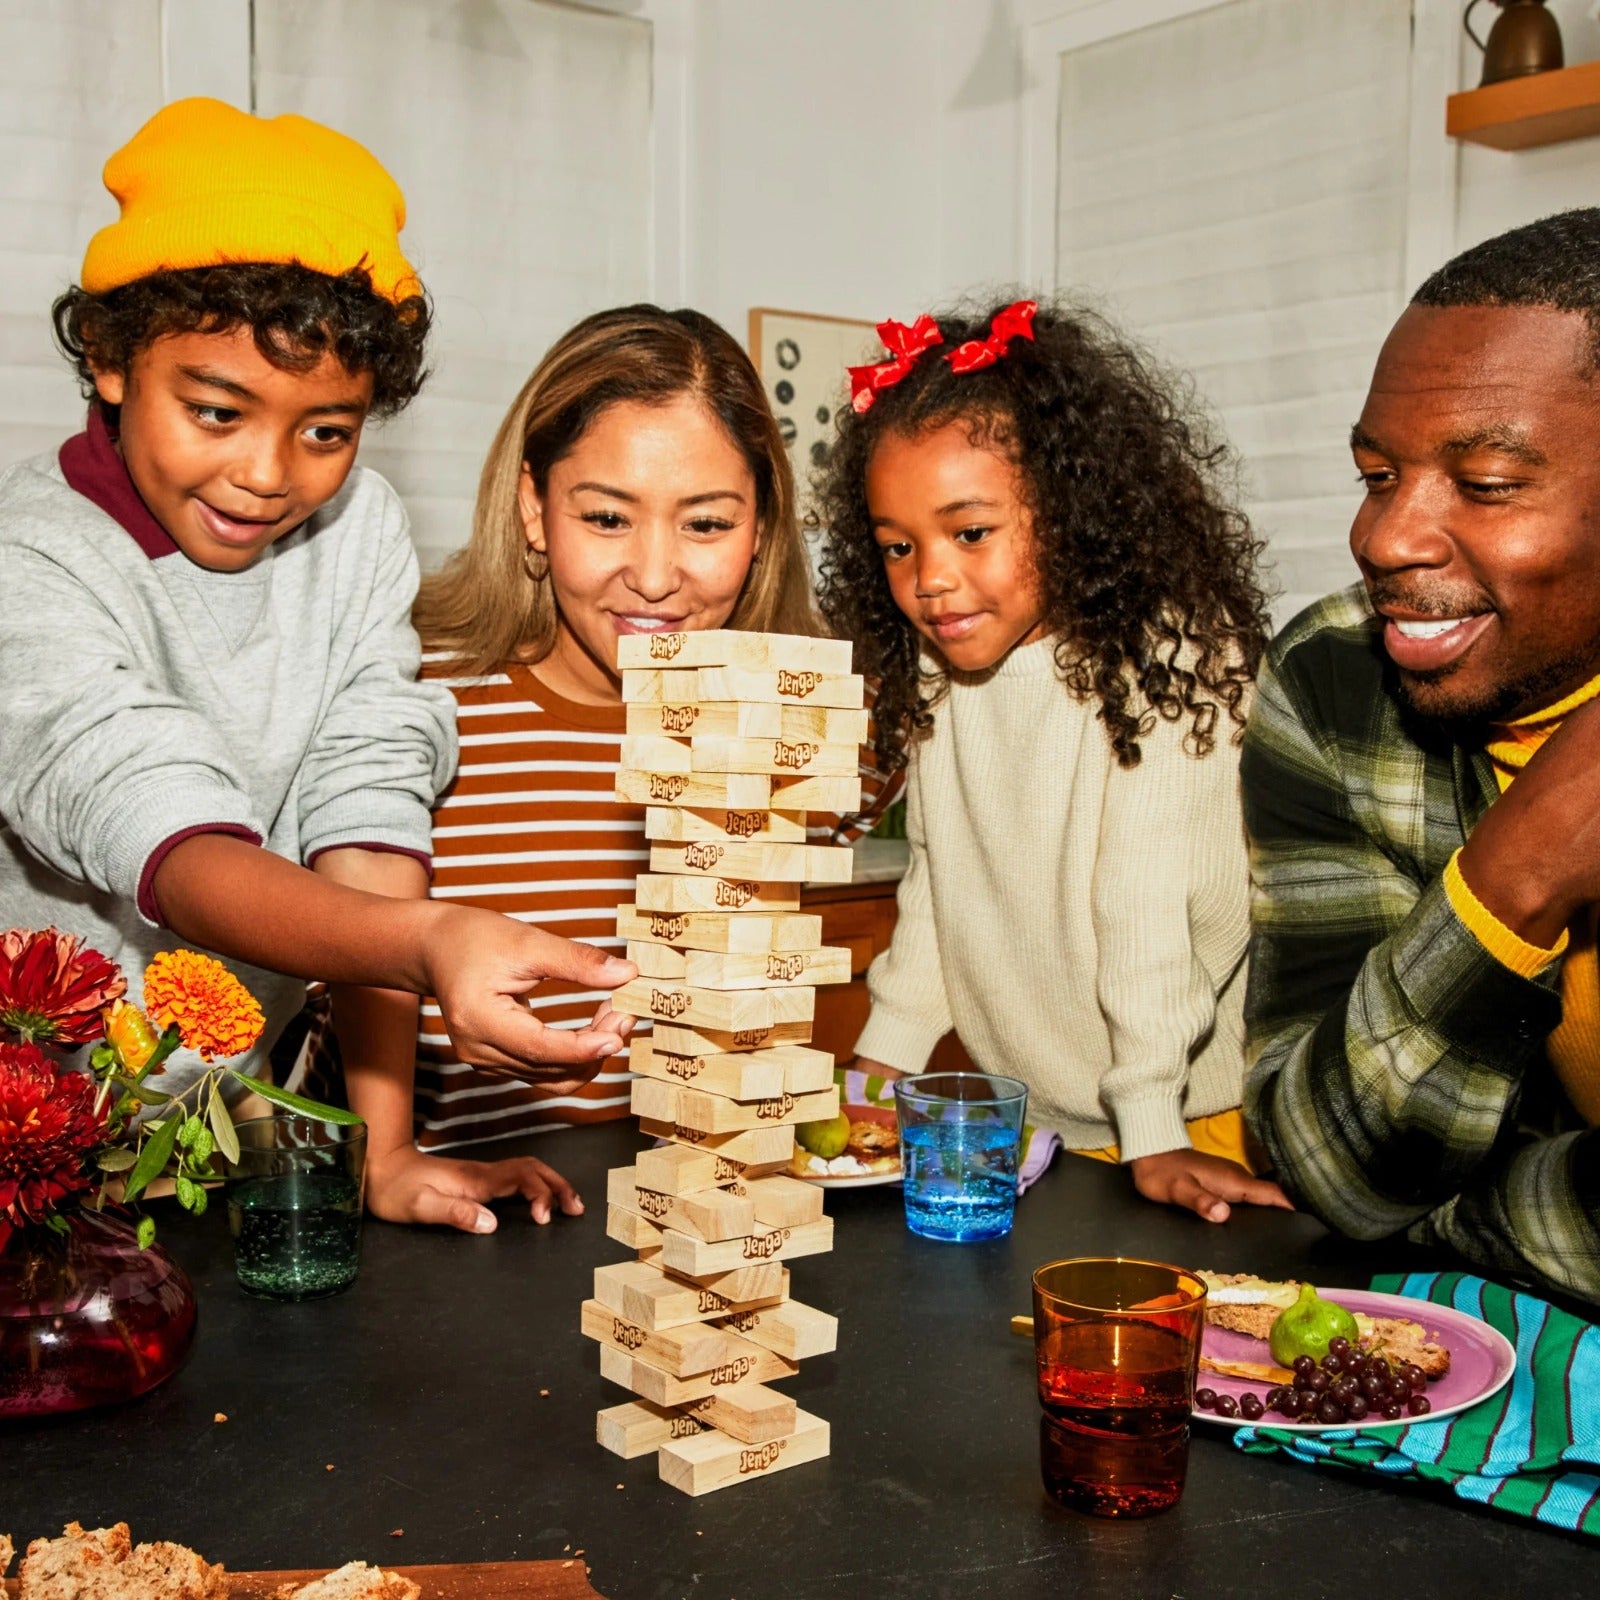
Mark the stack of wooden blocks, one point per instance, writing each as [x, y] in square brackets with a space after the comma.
[731, 739]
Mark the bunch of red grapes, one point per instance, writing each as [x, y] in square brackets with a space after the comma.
[1346, 1386]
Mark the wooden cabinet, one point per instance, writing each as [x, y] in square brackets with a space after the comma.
[861, 917]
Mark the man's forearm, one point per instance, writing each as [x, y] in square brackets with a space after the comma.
[245, 902]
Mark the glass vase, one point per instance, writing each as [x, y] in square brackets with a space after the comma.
[87, 1318]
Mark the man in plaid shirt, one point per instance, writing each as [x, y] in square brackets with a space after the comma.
[1424, 1005]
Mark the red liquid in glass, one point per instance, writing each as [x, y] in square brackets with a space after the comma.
[1114, 1439]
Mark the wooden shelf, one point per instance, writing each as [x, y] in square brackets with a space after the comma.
[1521, 113]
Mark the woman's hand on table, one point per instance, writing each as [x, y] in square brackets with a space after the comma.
[1204, 1184]
[407, 1185]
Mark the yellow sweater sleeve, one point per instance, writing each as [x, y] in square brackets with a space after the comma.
[1508, 948]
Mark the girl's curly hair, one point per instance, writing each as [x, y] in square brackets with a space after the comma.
[296, 315]
[1147, 568]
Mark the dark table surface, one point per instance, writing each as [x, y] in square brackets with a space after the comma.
[422, 1386]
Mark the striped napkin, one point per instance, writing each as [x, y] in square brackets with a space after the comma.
[1533, 1449]
[1039, 1145]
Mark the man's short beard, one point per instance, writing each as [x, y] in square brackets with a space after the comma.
[1468, 720]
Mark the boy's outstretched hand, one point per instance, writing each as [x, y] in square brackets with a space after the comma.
[1205, 1184]
[407, 1186]
[481, 966]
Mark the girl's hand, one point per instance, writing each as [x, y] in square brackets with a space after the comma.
[481, 965]
[408, 1186]
[1205, 1184]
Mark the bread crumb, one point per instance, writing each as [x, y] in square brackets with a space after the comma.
[329, 1467]
[565, 1565]
[221, 1416]
[394, 1533]
[545, 1393]
[619, 1485]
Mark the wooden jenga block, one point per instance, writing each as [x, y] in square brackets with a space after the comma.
[791, 1330]
[753, 1281]
[727, 932]
[714, 1461]
[657, 685]
[643, 1294]
[683, 1041]
[708, 969]
[706, 1213]
[683, 825]
[751, 1075]
[755, 1365]
[631, 1228]
[729, 1009]
[733, 647]
[813, 794]
[695, 1258]
[636, 1428]
[776, 863]
[681, 1352]
[825, 724]
[657, 960]
[736, 791]
[835, 690]
[755, 1147]
[713, 1114]
[779, 757]
[728, 719]
[650, 752]
[653, 892]
[749, 1412]
[781, 1202]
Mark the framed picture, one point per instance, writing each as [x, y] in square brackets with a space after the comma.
[802, 359]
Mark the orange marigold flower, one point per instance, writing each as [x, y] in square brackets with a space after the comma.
[214, 1012]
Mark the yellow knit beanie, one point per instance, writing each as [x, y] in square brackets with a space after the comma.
[202, 183]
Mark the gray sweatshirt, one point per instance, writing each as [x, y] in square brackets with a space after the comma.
[144, 698]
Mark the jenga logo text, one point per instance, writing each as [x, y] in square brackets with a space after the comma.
[799, 684]
[665, 646]
[652, 1203]
[736, 895]
[744, 1321]
[678, 719]
[668, 1002]
[625, 1334]
[667, 927]
[735, 1371]
[746, 1037]
[773, 1110]
[794, 755]
[702, 856]
[760, 1459]
[784, 969]
[684, 1067]
[667, 785]
[688, 1135]
[762, 1246]
[710, 1300]
[742, 824]
[727, 1169]
[682, 1428]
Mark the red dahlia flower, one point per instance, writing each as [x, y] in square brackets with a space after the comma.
[52, 988]
[48, 1126]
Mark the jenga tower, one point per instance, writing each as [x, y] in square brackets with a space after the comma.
[731, 738]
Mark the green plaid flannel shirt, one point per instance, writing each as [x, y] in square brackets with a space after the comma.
[1398, 1076]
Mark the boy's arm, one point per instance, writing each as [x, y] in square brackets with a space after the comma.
[1388, 1046]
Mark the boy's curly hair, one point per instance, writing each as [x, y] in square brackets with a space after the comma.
[1148, 569]
[296, 314]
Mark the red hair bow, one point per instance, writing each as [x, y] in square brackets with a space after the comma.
[904, 346]
[1015, 322]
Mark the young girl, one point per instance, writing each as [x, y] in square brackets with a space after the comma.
[1027, 544]
[637, 485]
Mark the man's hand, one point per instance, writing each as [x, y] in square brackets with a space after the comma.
[1534, 858]
[481, 965]
[1205, 1184]
[407, 1186]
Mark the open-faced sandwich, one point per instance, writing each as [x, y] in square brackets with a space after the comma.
[861, 1142]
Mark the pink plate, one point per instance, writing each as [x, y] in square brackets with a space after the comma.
[1481, 1362]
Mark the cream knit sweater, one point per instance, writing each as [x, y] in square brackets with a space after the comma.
[1081, 925]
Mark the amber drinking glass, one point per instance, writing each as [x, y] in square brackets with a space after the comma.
[1117, 1343]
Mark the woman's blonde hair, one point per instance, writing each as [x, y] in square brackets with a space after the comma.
[484, 609]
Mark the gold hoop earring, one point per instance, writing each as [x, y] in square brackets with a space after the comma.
[528, 552]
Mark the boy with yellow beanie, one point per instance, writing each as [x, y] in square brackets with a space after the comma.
[210, 719]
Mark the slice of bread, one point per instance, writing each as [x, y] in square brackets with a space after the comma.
[353, 1581]
[103, 1562]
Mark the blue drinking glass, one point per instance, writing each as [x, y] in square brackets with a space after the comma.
[960, 1140]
